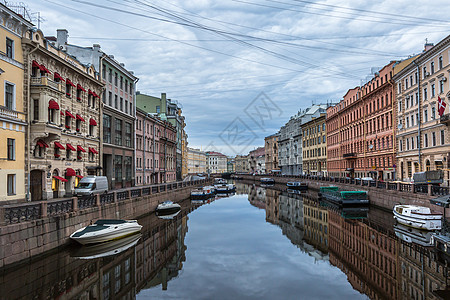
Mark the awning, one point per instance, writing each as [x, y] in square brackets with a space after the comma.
[45, 69]
[95, 95]
[93, 150]
[80, 118]
[61, 113]
[52, 104]
[79, 148]
[79, 87]
[92, 122]
[79, 176]
[58, 145]
[42, 144]
[57, 76]
[90, 92]
[36, 65]
[70, 172]
[70, 147]
[68, 114]
[60, 178]
[70, 82]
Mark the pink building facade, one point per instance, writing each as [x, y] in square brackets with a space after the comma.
[155, 149]
[360, 130]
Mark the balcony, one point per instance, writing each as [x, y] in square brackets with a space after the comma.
[445, 119]
[45, 81]
[349, 155]
[46, 130]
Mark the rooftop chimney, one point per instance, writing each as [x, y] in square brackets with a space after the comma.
[427, 46]
[62, 35]
[96, 47]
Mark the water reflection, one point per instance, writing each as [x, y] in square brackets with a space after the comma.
[353, 250]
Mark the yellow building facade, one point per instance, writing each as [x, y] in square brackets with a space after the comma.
[196, 161]
[315, 146]
[13, 126]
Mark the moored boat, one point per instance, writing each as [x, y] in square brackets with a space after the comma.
[104, 230]
[219, 181]
[203, 193]
[413, 235]
[224, 188]
[107, 248]
[167, 207]
[339, 197]
[296, 185]
[267, 180]
[418, 217]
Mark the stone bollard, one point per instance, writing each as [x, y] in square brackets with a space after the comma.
[413, 188]
[430, 192]
[115, 197]
[74, 203]
[387, 185]
[43, 209]
[398, 186]
[97, 200]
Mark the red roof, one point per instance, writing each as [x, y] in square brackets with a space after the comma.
[215, 153]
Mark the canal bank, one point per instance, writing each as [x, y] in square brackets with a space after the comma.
[382, 194]
[34, 229]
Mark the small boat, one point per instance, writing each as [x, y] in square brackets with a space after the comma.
[224, 188]
[418, 217]
[413, 235]
[219, 181]
[203, 193]
[334, 195]
[222, 195]
[107, 248]
[267, 180]
[296, 185]
[105, 230]
[167, 207]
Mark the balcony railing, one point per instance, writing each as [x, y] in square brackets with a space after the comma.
[349, 155]
[445, 118]
[6, 112]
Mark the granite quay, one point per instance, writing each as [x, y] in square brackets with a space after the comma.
[35, 228]
[381, 194]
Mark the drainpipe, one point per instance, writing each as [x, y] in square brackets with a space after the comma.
[394, 139]
[134, 132]
[143, 152]
[27, 155]
[420, 115]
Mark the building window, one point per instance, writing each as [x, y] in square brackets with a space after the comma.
[126, 85]
[434, 139]
[11, 149]
[110, 99]
[110, 75]
[121, 82]
[442, 137]
[128, 167]
[116, 101]
[433, 113]
[106, 129]
[11, 184]
[104, 71]
[118, 131]
[10, 102]
[424, 72]
[121, 104]
[115, 78]
[425, 140]
[441, 86]
[9, 48]
[35, 109]
[425, 94]
[158, 110]
[118, 168]
[126, 106]
[128, 134]
[425, 113]
[440, 63]
[433, 91]
[432, 67]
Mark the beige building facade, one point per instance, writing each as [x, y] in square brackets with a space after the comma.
[241, 164]
[64, 110]
[271, 152]
[421, 132]
[196, 160]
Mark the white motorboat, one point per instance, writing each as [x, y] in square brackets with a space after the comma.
[267, 180]
[224, 188]
[107, 248]
[418, 217]
[167, 207]
[219, 181]
[105, 230]
[296, 185]
[202, 193]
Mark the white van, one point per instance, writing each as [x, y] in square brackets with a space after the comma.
[91, 185]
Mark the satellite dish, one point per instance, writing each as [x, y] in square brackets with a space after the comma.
[370, 146]
[400, 126]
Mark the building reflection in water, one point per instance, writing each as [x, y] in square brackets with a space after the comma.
[157, 258]
[362, 244]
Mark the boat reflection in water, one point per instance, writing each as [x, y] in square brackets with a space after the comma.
[413, 235]
[107, 248]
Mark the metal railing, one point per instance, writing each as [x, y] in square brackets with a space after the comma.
[12, 214]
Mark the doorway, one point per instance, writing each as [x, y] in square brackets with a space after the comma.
[36, 178]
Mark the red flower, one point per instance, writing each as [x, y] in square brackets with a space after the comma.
[67, 126]
[78, 98]
[78, 157]
[68, 94]
[57, 155]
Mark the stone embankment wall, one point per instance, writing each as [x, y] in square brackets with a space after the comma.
[25, 239]
[382, 198]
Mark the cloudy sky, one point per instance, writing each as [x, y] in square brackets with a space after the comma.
[241, 68]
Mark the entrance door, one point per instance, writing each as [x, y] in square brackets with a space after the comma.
[36, 185]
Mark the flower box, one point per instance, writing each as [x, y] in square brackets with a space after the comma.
[67, 127]
[57, 155]
[79, 99]
[79, 157]
[68, 94]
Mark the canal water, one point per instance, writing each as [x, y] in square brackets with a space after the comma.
[260, 243]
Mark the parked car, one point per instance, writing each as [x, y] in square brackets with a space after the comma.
[367, 179]
[91, 185]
